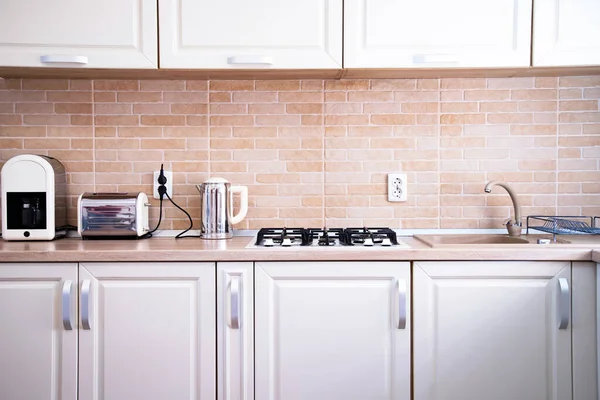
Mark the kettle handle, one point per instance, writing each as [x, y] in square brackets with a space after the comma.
[243, 191]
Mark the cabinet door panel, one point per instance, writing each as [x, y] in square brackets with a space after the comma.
[435, 33]
[250, 34]
[566, 32]
[235, 330]
[152, 331]
[330, 331]
[39, 356]
[109, 33]
[490, 330]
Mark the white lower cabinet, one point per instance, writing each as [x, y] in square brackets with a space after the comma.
[492, 330]
[332, 330]
[147, 331]
[235, 330]
[38, 342]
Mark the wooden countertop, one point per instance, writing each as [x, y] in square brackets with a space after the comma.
[195, 249]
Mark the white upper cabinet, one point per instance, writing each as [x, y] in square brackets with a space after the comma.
[78, 33]
[436, 33]
[566, 32]
[279, 34]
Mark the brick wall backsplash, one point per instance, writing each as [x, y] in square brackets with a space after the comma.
[316, 152]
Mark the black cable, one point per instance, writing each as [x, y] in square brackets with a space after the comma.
[180, 235]
[148, 235]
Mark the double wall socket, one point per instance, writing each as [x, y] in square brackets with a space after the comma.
[397, 187]
[168, 185]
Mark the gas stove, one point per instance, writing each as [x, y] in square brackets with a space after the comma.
[327, 237]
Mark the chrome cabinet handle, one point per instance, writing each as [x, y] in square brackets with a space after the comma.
[402, 312]
[257, 60]
[85, 304]
[235, 302]
[564, 303]
[67, 318]
[60, 58]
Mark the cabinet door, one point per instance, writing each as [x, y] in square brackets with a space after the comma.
[332, 330]
[566, 32]
[436, 33]
[38, 331]
[286, 34]
[78, 33]
[147, 331]
[492, 330]
[235, 328]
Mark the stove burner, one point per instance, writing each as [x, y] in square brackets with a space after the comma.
[287, 237]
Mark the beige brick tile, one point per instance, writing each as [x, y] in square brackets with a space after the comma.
[81, 119]
[579, 81]
[278, 143]
[105, 97]
[370, 96]
[487, 95]
[150, 108]
[160, 144]
[219, 97]
[462, 83]
[238, 120]
[534, 94]
[196, 85]
[45, 84]
[591, 93]
[105, 143]
[38, 119]
[462, 119]
[304, 108]
[579, 117]
[17, 96]
[347, 84]
[510, 118]
[537, 105]
[68, 131]
[278, 120]
[194, 108]
[395, 84]
[121, 85]
[116, 120]
[29, 108]
[390, 119]
[140, 97]
[336, 96]
[277, 85]
[546, 82]
[254, 97]
[161, 85]
[7, 143]
[185, 97]
[272, 108]
[106, 109]
[579, 105]
[301, 97]
[459, 107]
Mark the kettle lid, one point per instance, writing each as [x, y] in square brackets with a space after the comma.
[216, 180]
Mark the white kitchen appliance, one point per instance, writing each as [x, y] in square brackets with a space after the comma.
[34, 203]
[112, 215]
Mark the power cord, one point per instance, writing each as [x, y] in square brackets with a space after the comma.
[162, 191]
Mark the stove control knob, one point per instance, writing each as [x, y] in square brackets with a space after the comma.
[268, 242]
[368, 242]
[386, 242]
[287, 242]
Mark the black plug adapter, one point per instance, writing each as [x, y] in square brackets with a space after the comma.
[162, 179]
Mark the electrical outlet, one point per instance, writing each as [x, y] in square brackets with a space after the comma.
[168, 185]
[397, 187]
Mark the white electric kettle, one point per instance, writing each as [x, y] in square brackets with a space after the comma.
[216, 206]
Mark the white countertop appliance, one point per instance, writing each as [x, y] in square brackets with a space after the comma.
[34, 202]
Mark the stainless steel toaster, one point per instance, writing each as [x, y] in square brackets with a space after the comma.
[112, 214]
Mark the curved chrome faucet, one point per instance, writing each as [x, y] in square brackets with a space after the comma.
[513, 227]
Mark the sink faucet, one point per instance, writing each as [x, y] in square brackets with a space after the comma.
[513, 227]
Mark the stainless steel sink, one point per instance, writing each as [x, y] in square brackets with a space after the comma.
[471, 240]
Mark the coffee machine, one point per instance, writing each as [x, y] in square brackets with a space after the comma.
[34, 201]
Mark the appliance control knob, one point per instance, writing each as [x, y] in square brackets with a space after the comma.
[368, 242]
[386, 242]
[268, 242]
[287, 242]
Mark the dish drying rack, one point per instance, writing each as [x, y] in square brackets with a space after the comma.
[564, 225]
